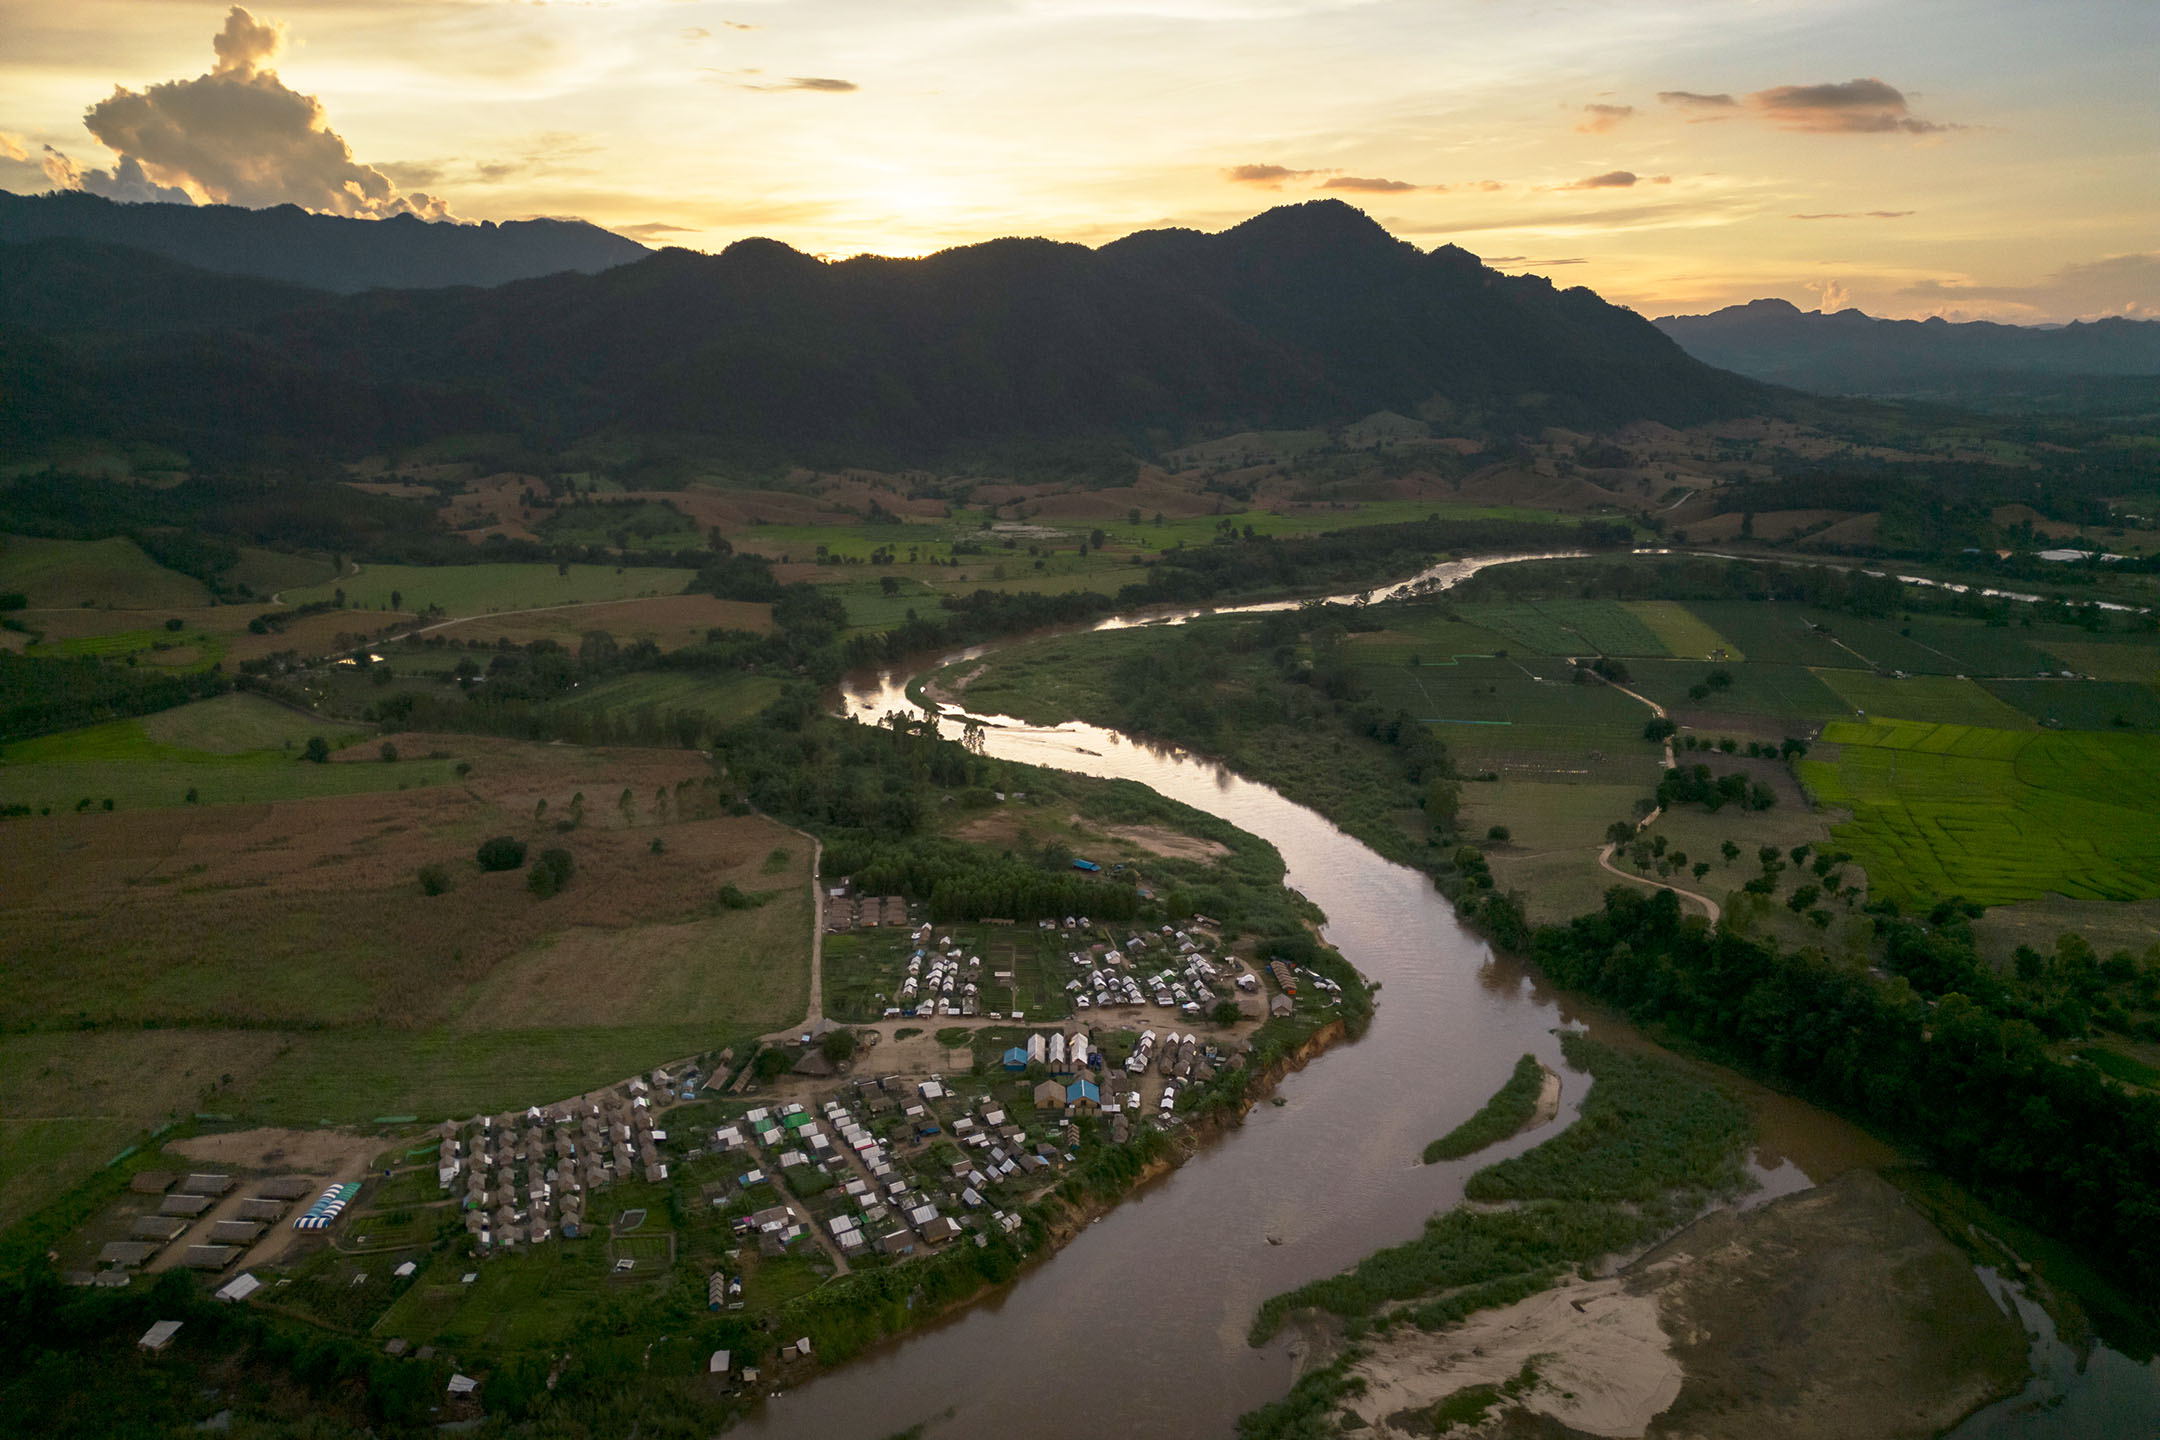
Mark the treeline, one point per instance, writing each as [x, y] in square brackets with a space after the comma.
[972, 882]
[2056, 1145]
[43, 696]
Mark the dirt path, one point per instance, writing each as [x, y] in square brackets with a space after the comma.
[503, 614]
[1710, 907]
[817, 931]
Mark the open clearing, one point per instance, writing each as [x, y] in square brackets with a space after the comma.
[1995, 815]
[279, 961]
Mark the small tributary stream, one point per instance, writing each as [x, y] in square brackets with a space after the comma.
[1137, 1327]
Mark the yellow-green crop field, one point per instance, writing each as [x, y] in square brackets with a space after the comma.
[1995, 815]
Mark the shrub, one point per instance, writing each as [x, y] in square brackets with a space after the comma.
[550, 873]
[501, 853]
[388, 752]
[318, 749]
[1498, 832]
[434, 880]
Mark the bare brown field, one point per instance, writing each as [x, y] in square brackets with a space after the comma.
[495, 505]
[669, 621]
[395, 489]
[307, 911]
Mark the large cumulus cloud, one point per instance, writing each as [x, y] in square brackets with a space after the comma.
[238, 135]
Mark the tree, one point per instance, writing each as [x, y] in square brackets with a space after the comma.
[1096, 538]
[889, 584]
[837, 1046]
[1658, 729]
[434, 880]
[1730, 851]
[1225, 1012]
[317, 750]
[388, 753]
[1499, 832]
[500, 853]
[397, 600]
[1132, 516]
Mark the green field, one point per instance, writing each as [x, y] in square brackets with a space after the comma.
[724, 699]
[1938, 699]
[177, 651]
[1682, 632]
[2083, 704]
[646, 524]
[1568, 627]
[1785, 692]
[484, 589]
[115, 573]
[1995, 815]
[233, 749]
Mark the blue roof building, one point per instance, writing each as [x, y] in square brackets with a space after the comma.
[1016, 1058]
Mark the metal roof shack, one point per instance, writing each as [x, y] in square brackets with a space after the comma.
[209, 1257]
[206, 1185]
[158, 1336]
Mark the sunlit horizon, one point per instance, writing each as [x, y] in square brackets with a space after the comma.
[1965, 161]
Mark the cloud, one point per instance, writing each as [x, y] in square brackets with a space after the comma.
[652, 229]
[1831, 296]
[1374, 185]
[697, 32]
[12, 147]
[1270, 176]
[2115, 285]
[1597, 119]
[1490, 185]
[1615, 180]
[125, 181]
[738, 25]
[1853, 107]
[238, 135]
[1855, 215]
[1695, 100]
[812, 82]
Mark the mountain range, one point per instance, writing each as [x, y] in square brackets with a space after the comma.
[1974, 362]
[325, 252]
[1306, 315]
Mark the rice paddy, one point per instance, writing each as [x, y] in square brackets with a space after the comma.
[1995, 815]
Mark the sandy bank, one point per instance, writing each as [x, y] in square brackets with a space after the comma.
[1837, 1312]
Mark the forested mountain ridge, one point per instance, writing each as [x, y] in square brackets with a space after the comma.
[1306, 315]
[326, 252]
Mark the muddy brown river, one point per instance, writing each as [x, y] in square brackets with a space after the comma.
[1137, 1327]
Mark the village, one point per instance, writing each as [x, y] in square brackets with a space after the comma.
[754, 1177]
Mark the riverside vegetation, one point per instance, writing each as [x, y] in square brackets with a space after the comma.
[1508, 1111]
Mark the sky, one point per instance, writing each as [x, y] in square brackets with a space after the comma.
[1994, 159]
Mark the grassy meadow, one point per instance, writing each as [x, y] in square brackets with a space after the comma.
[483, 589]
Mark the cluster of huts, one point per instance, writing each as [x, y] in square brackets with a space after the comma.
[178, 1221]
[1185, 982]
[526, 1175]
[948, 987]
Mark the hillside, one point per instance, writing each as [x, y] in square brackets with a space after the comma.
[1974, 362]
[326, 252]
[1306, 315]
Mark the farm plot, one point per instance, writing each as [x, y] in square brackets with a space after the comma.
[1682, 632]
[669, 621]
[1770, 633]
[721, 699]
[1481, 690]
[1937, 699]
[2136, 662]
[1791, 692]
[2083, 704]
[482, 589]
[1995, 816]
[1567, 627]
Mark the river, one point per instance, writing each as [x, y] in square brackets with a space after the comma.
[1137, 1327]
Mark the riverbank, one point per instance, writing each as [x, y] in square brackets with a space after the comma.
[1834, 1314]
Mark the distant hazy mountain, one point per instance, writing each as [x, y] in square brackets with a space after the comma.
[1309, 314]
[327, 252]
[1849, 353]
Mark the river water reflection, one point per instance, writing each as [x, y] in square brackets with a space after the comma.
[1138, 1326]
